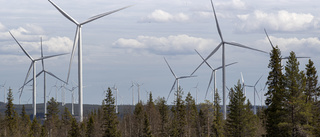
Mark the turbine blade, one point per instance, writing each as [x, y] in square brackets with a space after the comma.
[25, 52]
[225, 65]
[103, 14]
[269, 38]
[55, 76]
[217, 23]
[243, 46]
[32, 78]
[242, 78]
[76, 37]
[204, 60]
[64, 13]
[214, 51]
[28, 73]
[182, 77]
[257, 81]
[170, 68]
[302, 57]
[46, 57]
[209, 83]
[42, 62]
[172, 88]
[257, 93]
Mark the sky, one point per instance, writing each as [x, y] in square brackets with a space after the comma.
[129, 46]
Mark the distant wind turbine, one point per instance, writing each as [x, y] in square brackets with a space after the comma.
[222, 44]
[132, 87]
[33, 64]
[44, 71]
[213, 74]
[4, 92]
[72, 98]
[243, 85]
[176, 79]
[78, 39]
[138, 85]
[116, 89]
[254, 95]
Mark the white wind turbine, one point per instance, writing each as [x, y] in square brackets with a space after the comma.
[213, 74]
[33, 64]
[4, 92]
[72, 97]
[44, 71]
[132, 87]
[222, 44]
[243, 85]
[138, 85]
[78, 39]
[116, 89]
[176, 79]
[254, 95]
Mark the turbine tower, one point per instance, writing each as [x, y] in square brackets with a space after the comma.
[176, 80]
[213, 74]
[254, 95]
[132, 93]
[78, 39]
[33, 64]
[4, 92]
[116, 89]
[222, 44]
[138, 85]
[72, 98]
[44, 71]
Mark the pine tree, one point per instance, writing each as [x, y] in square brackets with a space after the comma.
[138, 119]
[153, 113]
[205, 118]
[179, 115]
[74, 130]
[296, 123]
[25, 122]
[52, 123]
[66, 119]
[218, 123]
[10, 116]
[312, 89]
[164, 116]
[274, 96]
[239, 118]
[90, 127]
[35, 128]
[146, 126]
[191, 115]
[110, 117]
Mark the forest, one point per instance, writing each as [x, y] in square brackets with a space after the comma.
[291, 109]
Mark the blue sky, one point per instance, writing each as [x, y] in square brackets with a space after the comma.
[130, 45]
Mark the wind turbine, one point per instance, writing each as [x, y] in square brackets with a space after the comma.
[274, 47]
[78, 39]
[72, 97]
[244, 87]
[213, 74]
[176, 79]
[222, 44]
[44, 71]
[138, 85]
[33, 64]
[132, 87]
[116, 89]
[196, 87]
[4, 92]
[254, 95]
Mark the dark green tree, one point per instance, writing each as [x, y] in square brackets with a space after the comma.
[205, 118]
[218, 123]
[35, 128]
[53, 123]
[151, 110]
[275, 95]
[299, 112]
[179, 115]
[110, 117]
[164, 116]
[191, 115]
[66, 119]
[74, 130]
[312, 89]
[10, 116]
[138, 119]
[25, 122]
[238, 119]
[146, 126]
[90, 127]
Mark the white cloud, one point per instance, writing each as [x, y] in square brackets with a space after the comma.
[162, 16]
[58, 44]
[2, 27]
[171, 45]
[235, 4]
[280, 21]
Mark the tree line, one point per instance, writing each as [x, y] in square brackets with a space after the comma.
[292, 109]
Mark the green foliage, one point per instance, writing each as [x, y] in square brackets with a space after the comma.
[239, 120]
[146, 126]
[10, 116]
[218, 123]
[25, 122]
[191, 115]
[90, 127]
[74, 130]
[312, 89]
[138, 119]
[164, 116]
[110, 117]
[35, 128]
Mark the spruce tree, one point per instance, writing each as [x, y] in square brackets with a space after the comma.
[35, 128]
[205, 118]
[275, 95]
[138, 119]
[164, 116]
[146, 126]
[90, 127]
[25, 122]
[66, 119]
[312, 89]
[239, 118]
[10, 116]
[74, 130]
[218, 123]
[191, 115]
[179, 115]
[53, 122]
[110, 117]
[299, 112]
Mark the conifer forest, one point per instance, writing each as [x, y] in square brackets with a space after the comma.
[291, 109]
